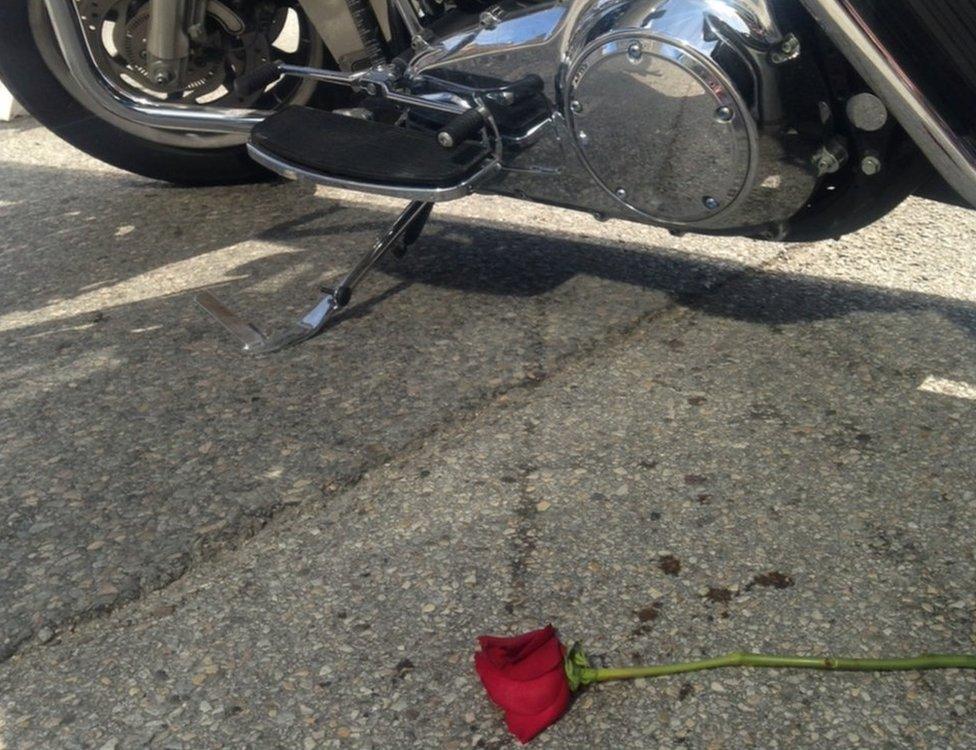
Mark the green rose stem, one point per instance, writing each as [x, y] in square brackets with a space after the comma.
[742, 659]
[581, 673]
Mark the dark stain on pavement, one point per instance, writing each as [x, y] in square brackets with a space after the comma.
[669, 564]
[773, 579]
[649, 614]
[523, 542]
[719, 595]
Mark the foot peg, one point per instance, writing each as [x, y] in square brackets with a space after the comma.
[404, 232]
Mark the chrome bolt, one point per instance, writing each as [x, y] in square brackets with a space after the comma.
[635, 51]
[788, 50]
[371, 89]
[583, 138]
[710, 203]
[871, 165]
[620, 193]
[488, 19]
[575, 106]
[831, 157]
[724, 114]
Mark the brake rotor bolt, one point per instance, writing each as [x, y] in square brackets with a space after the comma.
[724, 114]
[635, 51]
[710, 203]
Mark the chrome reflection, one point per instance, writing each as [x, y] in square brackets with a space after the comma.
[609, 143]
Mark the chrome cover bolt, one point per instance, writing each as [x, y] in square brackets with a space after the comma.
[635, 51]
[710, 203]
[724, 114]
[788, 50]
[871, 165]
[620, 193]
[575, 106]
[584, 139]
[489, 19]
[831, 157]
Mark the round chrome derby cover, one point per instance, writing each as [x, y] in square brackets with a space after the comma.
[660, 128]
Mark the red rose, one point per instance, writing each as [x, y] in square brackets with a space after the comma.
[532, 677]
[526, 677]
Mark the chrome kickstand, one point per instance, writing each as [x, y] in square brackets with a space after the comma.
[404, 232]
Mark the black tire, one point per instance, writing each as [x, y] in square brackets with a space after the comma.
[25, 73]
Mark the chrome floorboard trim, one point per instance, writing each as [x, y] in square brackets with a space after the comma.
[432, 195]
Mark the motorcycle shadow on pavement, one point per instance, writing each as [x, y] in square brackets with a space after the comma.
[97, 233]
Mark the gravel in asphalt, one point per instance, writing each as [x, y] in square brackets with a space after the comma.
[666, 448]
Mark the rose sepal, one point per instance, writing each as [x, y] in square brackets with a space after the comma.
[579, 673]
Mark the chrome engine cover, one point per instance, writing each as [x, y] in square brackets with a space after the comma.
[681, 113]
[695, 140]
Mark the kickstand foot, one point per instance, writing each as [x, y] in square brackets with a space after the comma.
[404, 232]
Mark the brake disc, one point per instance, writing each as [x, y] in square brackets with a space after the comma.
[204, 72]
[232, 45]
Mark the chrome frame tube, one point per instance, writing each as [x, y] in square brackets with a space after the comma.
[363, 80]
[140, 110]
[949, 153]
[410, 19]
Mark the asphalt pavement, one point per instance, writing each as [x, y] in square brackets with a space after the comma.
[667, 447]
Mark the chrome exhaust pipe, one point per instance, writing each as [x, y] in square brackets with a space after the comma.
[138, 110]
[951, 155]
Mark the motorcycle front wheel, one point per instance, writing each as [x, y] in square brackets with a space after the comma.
[32, 68]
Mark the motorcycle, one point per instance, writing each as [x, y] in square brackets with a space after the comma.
[785, 120]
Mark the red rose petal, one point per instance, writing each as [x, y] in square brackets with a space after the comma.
[525, 676]
[522, 696]
[512, 646]
[524, 657]
[527, 726]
